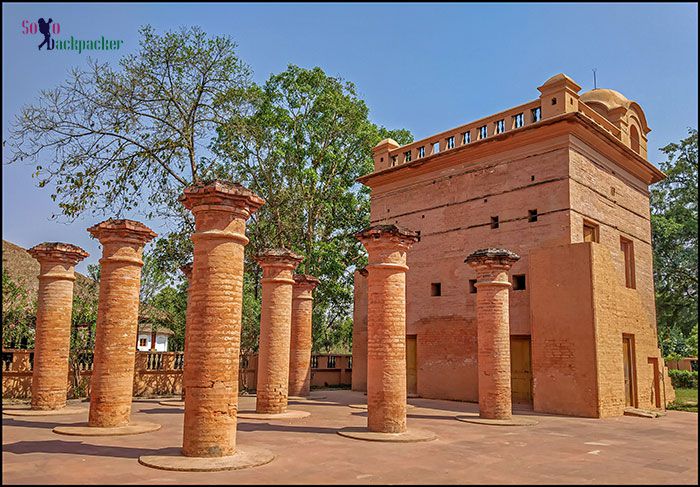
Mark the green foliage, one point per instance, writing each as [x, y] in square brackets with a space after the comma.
[18, 315]
[302, 148]
[674, 218]
[686, 379]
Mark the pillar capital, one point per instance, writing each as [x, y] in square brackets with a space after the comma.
[123, 231]
[492, 258]
[278, 258]
[220, 196]
[387, 245]
[58, 252]
[305, 282]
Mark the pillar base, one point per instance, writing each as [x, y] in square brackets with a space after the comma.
[408, 436]
[514, 421]
[83, 429]
[173, 403]
[243, 458]
[364, 406]
[20, 411]
[290, 414]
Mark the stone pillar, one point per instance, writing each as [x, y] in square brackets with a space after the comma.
[359, 332]
[213, 331]
[493, 330]
[386, 326]
[112, 382]
[275, 330]
[301, 337]
[53, 322]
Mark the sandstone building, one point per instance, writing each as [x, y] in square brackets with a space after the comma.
[563, 181]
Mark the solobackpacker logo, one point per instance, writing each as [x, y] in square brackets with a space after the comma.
[50, 31]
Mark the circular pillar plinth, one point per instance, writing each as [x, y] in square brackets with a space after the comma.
[408, 436]
[134, 428]
[19, 411]
[364, 406]
[514, 421]
[173, 403]
[246, 458]
[291, 414]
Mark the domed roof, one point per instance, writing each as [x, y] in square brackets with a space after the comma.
[609, 98]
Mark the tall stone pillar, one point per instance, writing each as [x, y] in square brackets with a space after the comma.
[112, 381]
[275, 334]
[387, 246]
[213, 331]
[301, 339]
[53, 324]
[359, 332]
[493, 330]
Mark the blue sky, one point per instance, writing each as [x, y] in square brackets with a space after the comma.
[425, 67]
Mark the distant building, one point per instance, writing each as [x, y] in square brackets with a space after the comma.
[563, 181]
[149, 340]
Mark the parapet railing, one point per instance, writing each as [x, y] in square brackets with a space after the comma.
[599, 119]
[506, 121]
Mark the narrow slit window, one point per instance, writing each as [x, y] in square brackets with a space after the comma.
[421, 151]
[494, 222]
[393, 160]
[472, 286]
[466, 137]
[519, 282]
[483, 132]
[450, 142]
[436, 147]
[627, 247]
[436, 289]
[407, 156]
[531, 216]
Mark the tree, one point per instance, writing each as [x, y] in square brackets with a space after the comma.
[114, 137]
[674, 204]
[306, 141]
[18, 314]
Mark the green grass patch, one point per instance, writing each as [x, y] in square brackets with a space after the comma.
[686, 400]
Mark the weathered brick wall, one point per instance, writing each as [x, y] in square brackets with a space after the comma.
[620, 310]
[563, 335]
[435, 356]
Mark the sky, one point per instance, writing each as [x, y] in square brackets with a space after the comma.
[426, 67]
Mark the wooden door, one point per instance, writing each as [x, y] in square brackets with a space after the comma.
[411, 369]
[520, 370]
[628, 365]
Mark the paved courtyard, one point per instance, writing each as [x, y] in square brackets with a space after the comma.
[308, 451]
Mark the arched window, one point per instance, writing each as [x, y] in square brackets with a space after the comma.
[634, 138]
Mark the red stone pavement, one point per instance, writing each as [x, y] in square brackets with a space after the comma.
[308, 451]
